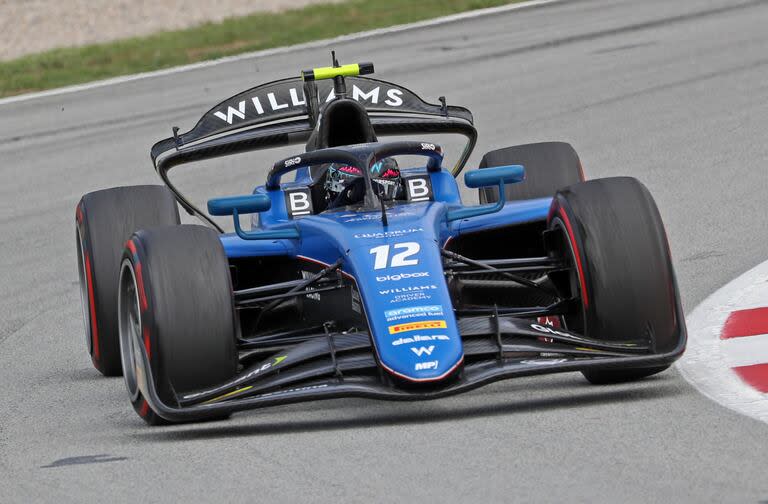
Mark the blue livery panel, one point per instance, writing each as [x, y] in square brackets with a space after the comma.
[397, 269]
[407, 303]
[399, 276]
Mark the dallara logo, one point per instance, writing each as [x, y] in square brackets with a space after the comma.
[415, 326]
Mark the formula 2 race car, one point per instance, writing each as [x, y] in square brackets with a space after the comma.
[365, 275]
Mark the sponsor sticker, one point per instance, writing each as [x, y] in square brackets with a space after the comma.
[421, 366]
[543, 362]
[266, 366]
[292, 161]
[298, 389]
[413, 312]
[356, 306]
[551, 330]
[364, 218]
[418, 188]
[314, 295]
[411, 296]
[401, 276]
[409, 293]
[420, 351]
[258, 105]
[405, 290]
[413, 309]
[258, 370]
[370, 216]
[416, 326]
[419, 338]
[298, 202]
[390, 234]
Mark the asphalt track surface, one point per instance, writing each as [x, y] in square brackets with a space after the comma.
[673, 93]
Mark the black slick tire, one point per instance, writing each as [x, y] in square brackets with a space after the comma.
[104, 220]
[622, 269]
[548, 167]
[176, 298]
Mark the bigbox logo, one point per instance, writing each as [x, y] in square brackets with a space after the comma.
[401, 276]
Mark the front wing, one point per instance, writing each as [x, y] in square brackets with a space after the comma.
[323, 367]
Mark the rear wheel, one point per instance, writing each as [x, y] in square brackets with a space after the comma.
[612, 234]
[105, 219]
[175, 299]
[548, 167]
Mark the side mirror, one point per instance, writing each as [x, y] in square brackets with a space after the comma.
[497, 176]
[248, 204]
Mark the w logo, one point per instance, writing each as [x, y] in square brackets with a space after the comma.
[423, 350]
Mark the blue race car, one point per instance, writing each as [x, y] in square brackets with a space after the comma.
[364, 275]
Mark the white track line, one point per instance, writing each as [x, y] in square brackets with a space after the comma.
[708, 360]
[279, 50]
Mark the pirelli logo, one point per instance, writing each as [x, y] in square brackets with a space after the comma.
[416, 326]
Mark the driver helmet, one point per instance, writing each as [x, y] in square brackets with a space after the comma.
[385, 176]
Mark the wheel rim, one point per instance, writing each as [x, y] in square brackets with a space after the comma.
[576, 322]
[129, 324]
[84, 299]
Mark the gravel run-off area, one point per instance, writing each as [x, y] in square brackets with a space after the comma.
[31, 26]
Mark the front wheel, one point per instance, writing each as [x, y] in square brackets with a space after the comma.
[612, 235]
[176, 305]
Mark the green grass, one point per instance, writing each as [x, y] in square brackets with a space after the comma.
[62, 67]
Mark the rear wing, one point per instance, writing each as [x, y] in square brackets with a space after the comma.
[277, 114]
[284, 99]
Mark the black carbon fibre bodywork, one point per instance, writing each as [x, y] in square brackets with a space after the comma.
[244, 123]
[286, 102]
[325, 369]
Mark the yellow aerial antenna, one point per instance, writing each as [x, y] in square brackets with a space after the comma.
[337, 70]
[337, 73]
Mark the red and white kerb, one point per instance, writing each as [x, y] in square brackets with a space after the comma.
[727, 354]
[745, 346]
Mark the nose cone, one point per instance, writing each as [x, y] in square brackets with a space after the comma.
[408, 305]
[398, 270]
